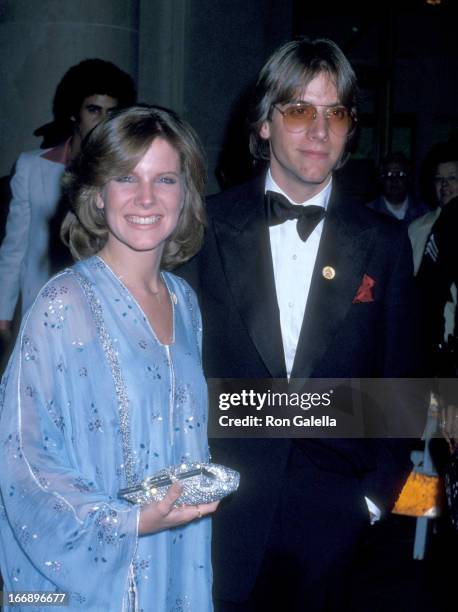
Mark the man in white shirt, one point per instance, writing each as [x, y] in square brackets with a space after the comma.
[297, 281]
[86, 94]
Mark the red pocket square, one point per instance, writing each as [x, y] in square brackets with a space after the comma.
[365, 292]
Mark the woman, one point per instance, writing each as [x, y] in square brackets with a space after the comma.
[105, 385]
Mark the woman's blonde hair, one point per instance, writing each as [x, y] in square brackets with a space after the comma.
[113, 149]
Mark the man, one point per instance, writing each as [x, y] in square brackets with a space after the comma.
[85, 95]
[395, 200]
[275, 305]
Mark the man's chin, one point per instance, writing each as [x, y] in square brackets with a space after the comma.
[316, 179]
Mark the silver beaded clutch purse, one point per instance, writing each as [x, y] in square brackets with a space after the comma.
[202, 483]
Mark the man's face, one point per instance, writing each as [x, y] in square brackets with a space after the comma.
[395, 182]
[93, 109]
[302, 162]
[446, 182]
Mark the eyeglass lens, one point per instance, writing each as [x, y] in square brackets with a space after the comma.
[394, 175]
[300, 117]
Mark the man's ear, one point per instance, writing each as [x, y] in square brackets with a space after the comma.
[264, 132]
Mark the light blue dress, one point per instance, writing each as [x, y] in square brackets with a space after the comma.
[91, 402]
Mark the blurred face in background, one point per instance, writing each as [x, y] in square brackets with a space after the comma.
[93, 110]
[446, 182]
[395, 182]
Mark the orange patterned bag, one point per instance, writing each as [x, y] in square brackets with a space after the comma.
[422, 495]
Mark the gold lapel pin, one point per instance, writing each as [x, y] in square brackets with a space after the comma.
[328, 272]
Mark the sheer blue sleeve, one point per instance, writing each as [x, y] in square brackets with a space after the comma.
[61, 523]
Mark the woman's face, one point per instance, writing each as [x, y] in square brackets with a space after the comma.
[446, 182]
[142, 208]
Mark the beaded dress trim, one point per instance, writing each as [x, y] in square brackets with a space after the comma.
[119, 384]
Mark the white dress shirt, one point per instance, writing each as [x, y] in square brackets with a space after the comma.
[398, 211]
[293, 261]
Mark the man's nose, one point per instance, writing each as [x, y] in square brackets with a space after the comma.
[319, 127]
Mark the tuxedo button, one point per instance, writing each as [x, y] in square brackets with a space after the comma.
[328, 272]
[290, 304]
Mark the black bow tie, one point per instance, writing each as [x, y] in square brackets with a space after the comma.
[279, 209]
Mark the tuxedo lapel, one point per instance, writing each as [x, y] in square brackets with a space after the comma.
[244, 247]
[344, 249]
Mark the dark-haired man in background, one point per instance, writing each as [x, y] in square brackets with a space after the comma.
[297, 281]
[84, 96]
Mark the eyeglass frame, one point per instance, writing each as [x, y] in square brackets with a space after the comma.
[438, 180]
[329, 107]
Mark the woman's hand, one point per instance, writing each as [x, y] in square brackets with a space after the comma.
[158, 516]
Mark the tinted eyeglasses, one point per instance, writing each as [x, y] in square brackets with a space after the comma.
[300, 116]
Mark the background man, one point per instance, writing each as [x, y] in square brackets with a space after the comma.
[332, 302]
[87, 92]
[395, 199]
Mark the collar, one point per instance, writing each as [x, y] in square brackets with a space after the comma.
[59, 154]
[319, 199]
[398, 211]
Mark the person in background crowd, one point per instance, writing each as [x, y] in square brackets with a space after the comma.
[433, 238]
[85, 95]
[442, 182]
[395, 199]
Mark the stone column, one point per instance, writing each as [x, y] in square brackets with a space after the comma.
[162, 49]
[199, 58]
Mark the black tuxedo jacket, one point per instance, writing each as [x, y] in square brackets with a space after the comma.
[233, 276]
